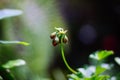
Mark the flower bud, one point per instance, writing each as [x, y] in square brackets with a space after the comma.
[56, 39]
[52, 36]
[59, 36]
[54, 43]
[65, 39]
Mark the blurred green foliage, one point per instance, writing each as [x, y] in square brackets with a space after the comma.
[33, 26]
[99, 70]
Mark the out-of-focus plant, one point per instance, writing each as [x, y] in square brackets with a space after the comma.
[5, 13]
[59, 37]
[5, 69]
[98, 70]
[117, 59]
[14, 42]
[5, 73]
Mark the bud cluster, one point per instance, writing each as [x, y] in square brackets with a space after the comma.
[59, 36]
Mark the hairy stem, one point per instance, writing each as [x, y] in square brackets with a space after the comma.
[64, 59]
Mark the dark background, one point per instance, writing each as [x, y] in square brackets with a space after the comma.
[93, 25]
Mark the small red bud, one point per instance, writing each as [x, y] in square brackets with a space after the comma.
[52, 36]
[65, 39]
[54, 43]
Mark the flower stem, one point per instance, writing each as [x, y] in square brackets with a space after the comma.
[64, 59]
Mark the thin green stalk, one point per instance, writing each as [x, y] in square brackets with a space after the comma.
[64, 59]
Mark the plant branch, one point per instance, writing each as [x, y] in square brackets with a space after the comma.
[64, 59]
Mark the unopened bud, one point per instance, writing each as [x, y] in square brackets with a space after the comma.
[59, 36]
[65, 39]
[52, 36]
[54, 43]
[56, 39]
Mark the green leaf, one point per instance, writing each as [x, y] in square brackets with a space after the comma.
[99, 70]
[14, 42]
[87, 79]
[117, 60]
[14, 63]
[102, 77]
[23, 43]
[79, 74]
[100, 55]
[99, 77]
[94, 56]
[5, 13]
